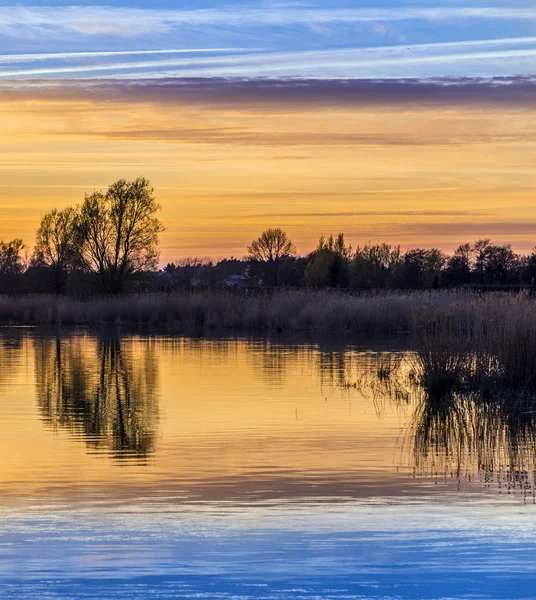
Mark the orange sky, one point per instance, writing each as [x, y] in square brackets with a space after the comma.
[226, 166]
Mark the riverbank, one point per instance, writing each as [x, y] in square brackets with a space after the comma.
[285, 310]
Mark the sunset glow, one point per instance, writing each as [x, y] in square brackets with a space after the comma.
[227, 160]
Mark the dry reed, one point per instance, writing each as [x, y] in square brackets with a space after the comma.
[283, 310]
[486, 344]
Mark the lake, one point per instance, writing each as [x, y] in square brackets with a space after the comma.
[158, 466]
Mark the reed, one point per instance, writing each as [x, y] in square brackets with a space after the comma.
[458, 335]
[290, 310]
[486, 345]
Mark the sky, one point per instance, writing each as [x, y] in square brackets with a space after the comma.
[405, 122]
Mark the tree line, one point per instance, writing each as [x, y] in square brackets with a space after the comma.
[109, 244]
[272, 260]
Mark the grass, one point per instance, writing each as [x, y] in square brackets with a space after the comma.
[285, 310]
[487, 345]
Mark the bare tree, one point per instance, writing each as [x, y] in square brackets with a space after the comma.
[270, 248]
[117, 233]
[479, 249]
[54, 245]
[11, 261]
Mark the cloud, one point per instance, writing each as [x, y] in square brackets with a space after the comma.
[362, 213]
[458, 230]
[286, 94]
[19, 21]
[291, 31]
[241, 135]
[508, 56]
[74, 56]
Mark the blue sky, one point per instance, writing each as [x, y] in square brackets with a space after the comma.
[318, 39]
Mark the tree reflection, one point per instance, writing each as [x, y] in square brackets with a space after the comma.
[101, 389]
[12, 345]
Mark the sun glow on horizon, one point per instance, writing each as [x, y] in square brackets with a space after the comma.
[413, 174]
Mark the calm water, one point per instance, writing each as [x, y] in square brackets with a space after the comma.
[172, 467]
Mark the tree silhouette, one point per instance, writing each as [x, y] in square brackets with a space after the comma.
[271, 248]
[11, 262]
[117, 233]
[55, 244]
[328, 264]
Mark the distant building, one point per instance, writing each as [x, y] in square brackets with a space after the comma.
[237, 281]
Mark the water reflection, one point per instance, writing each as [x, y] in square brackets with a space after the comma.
[465, 436]
[270, 477]
[99, 390]
[104, 391]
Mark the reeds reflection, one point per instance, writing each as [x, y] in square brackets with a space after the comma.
[467, 437]
[101, 390]
[463, 434]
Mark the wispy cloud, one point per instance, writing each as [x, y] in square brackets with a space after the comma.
[315, 39]
[132, 22]
[74, 56]
[468, 229]
[242, 136]
[508, 56]
[360, 213]
[437, 233]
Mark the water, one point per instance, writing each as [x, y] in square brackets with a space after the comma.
[173, 467]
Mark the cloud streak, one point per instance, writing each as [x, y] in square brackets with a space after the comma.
[287, 95]
[393, 49]
[360, 213]
[484, 57]
[299, 40]
[73, 56]
[242, 136]
[16, 21]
